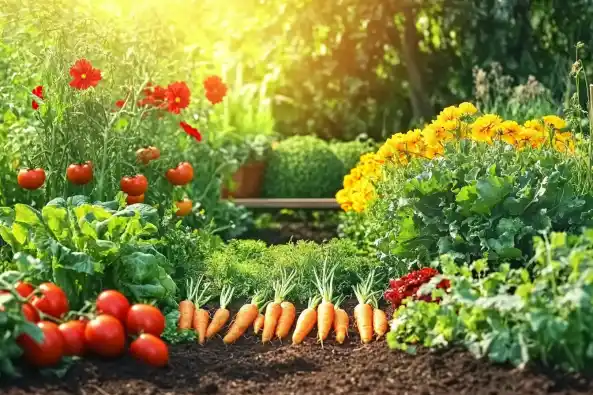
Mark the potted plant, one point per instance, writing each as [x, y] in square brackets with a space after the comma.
[247, 180]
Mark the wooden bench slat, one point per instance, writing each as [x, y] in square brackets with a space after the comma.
[288, 203]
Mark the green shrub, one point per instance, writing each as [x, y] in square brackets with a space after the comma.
[512, 315]
[349, 152]
[303, 167]
[477, 201]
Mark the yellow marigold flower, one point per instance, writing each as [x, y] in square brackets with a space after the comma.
[534, 124]
[554, 122]
[450, 113]
[485, 127]
[564, 142]
[509, 132]
[467, 108]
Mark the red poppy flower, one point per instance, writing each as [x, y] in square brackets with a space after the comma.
[216, 90]
[38, 91]
[84, 75]
[177, 97]
[187, 128]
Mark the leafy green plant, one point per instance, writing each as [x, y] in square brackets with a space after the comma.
[85, 248]
[478, 200]
[303, 167]
[537, 314]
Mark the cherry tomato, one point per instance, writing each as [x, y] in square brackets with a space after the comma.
[113, 303]
[73, 333]
[31, 314]
[105, 336]
[150, 350]
[53, 301]
[183, 207]
[144, 318]
[134, 199]
[31, 178]
[51, 349]
[181, 175]
[135, 185]
[80, 174]
[24, 289]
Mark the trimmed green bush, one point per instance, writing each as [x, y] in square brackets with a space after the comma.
[303, 167]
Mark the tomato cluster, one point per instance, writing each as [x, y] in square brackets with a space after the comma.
[102, 334]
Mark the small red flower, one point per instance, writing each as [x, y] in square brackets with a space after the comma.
[187, 128]
[38, 91]
[216, 90]
[84, 75]
[177, 97]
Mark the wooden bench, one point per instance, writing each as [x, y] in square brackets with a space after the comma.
[329, 203]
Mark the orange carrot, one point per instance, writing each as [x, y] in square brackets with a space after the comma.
[286, 320]
[186, 307]
[325, 311]
[380, 322]
[244, 318]
[201, 316]
[341, 322]
[274, 309]
[363, 312]
[306, 321]
[222, 315]
[258, 324]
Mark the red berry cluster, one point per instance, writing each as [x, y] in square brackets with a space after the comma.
[408, 286]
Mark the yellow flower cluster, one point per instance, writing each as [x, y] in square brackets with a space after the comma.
[453, 123]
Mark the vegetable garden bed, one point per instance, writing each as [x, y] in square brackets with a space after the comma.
[248, 367]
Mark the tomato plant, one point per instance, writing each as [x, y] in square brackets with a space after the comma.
[135, 185]
[73, 333]
[47, 353]
[134, 199]
[150, 350]
[181, 175]
[31, 178]
[105, 336]
[113, 303]
[183, 207]
[144, 318]
[80, 174]
[53, 300]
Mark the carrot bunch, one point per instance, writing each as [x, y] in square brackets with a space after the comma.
[368, 320]
[326, 309]
[247, 314]
[222, 315]
[307, 320]
[280, 314]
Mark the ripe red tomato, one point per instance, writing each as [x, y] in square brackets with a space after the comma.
[24, 289]
[80, 174]
[134, 199]
[183, 207]
[30, 313]
[134, 186]
[51, 349]
[53, 301]
[150, 350]
[31, 178]
[144, 318]
[105, 336]
[181, 175]
[113, 303]
[73, 333]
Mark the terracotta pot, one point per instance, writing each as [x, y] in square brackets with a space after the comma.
[248, 181]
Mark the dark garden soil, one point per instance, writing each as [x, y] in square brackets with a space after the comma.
[250, 368]
[285, 232]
